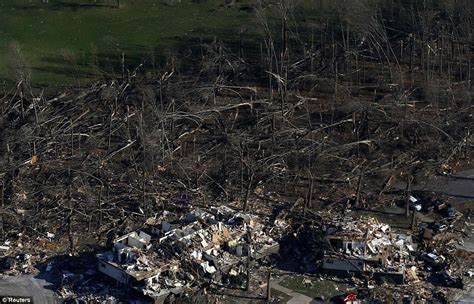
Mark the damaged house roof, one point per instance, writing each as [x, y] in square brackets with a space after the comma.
[169, 256]
[365, 245]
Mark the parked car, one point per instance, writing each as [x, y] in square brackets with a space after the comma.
[439, 205]
[433, 260]
[444, 279]
[449, 212]
[437, 227]
[427, 204]
[7, 263]
[414, 203]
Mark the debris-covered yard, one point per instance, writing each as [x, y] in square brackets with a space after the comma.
[288, 172]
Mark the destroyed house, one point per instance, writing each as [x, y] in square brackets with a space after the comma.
[128, 262]
[219, 239]
[357, 246]
[165, 257]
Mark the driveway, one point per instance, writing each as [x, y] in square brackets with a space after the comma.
[28, 286]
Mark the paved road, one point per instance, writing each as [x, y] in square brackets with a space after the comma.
[27, 286]
[460, 185]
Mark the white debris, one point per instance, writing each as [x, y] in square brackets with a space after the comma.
[208, 268]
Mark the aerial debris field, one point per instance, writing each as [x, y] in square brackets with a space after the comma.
[284, 169]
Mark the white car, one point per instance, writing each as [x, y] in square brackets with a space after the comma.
[414, 203]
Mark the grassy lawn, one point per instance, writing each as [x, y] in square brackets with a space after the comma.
[277, 297]
[319, 289]
[68, 41]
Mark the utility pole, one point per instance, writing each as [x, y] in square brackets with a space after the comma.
[359, 188]
[1, 195]
[407, 195]
[1, 205]
[269, 277]
[248, 259]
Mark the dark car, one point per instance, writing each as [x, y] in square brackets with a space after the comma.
[437, 227]
[427, 204]
[444, 279]
[449, 212]
[439, 205]
[436, 262]
[7, 263]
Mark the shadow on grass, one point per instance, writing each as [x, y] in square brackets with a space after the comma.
[199, 53]
[300, 252]
[60, 5]
[52, 269]
[71, 73]
[79, 273]
[74, 6]
[112, 62]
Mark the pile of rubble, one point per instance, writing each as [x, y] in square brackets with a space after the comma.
[176, 254]
[16, 260]
[171, 257]
[424, 261]
[368, 247]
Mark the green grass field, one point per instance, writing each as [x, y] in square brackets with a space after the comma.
[68, 42]
[319, 289]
